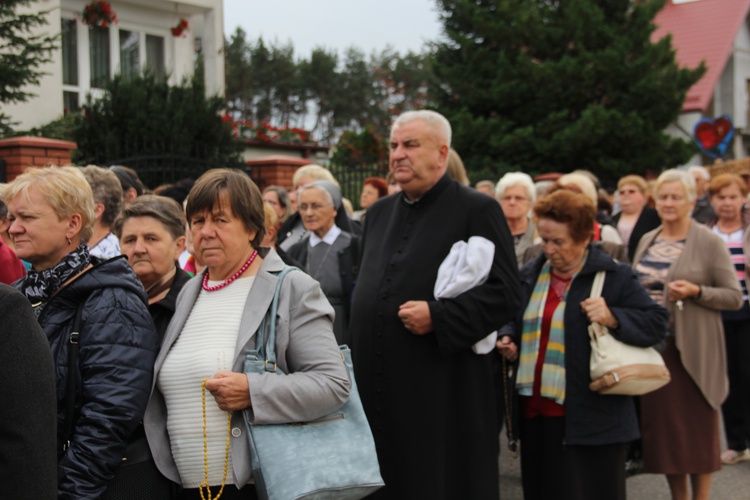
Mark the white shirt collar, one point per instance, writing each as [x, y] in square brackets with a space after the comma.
[329, 238]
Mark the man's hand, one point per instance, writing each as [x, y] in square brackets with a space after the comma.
[507, 348]
[230, 390]
[415, 314]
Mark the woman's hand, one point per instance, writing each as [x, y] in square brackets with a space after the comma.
[598, 312]
[230, 390]
[507, 348]
[681, 290]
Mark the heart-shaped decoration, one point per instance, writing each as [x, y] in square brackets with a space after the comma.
[713, 136]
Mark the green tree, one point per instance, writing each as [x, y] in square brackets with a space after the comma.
[141, 117]
[318, 75]
[546, 86]
[238, 74]
[21, 54]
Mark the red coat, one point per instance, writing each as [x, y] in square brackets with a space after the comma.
[11, 267]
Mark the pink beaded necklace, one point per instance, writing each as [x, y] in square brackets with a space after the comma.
[231, 278]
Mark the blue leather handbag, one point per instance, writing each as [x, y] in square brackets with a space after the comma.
[332, 457]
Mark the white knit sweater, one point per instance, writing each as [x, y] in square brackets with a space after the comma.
[205, 345]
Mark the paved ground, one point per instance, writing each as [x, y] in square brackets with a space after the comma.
[730, 483]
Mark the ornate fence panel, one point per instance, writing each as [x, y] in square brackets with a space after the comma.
[160, 162]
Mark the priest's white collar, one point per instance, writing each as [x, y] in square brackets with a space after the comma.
[329, 237]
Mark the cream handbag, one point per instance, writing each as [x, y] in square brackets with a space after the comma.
[619, 368]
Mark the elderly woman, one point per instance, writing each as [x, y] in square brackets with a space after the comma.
[516, 193]
[278, 198]
[108, 200]
[574, 439]
[132, 187]
[152, 236]
[373, 188]
[602, 232]
[11, 267]
[327, 253]
[52, 215]
[727, 193]
[686, 268]
[635, 218]
[229, 299]
[293, 230]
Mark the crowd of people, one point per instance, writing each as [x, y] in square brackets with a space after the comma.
[130, 313]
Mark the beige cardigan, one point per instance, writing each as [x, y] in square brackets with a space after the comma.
[698, 330]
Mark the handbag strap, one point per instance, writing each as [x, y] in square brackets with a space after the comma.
[597, 285]
[267, 347]
[70, 383]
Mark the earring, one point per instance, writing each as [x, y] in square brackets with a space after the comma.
[69, 242]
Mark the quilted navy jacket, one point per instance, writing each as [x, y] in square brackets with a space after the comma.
[117, 349]
[591, 418]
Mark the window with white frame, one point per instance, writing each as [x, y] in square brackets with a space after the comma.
[91, 55]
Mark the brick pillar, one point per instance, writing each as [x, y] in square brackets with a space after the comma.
[25, 152]
[277, 170]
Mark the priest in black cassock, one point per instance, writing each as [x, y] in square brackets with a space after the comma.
[430, 400]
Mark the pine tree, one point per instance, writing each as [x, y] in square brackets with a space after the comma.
[545, 85]
[22, 54]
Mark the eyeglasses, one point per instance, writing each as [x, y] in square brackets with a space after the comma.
[669, 197]
[313, 206]
[517, 199]
[628, 191]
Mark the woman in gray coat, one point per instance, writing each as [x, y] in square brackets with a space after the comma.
[199, 379]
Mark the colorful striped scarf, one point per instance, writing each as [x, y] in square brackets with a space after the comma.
[553, 369]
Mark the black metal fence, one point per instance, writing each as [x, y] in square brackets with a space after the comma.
[161, 162]
[350, 178]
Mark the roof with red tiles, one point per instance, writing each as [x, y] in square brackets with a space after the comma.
[702, 30]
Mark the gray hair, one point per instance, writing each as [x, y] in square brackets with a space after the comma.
[107, 190]
[512, 179]
[282, 194]
[675, 175]
[165, 210]
[485, 183]
[329, 189]
[702, 170]
[437, 121]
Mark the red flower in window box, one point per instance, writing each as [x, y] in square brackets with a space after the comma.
[99, 13]
[181, 27]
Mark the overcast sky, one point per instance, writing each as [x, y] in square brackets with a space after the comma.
[336, 24]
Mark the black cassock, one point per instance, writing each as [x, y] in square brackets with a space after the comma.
[430, 400]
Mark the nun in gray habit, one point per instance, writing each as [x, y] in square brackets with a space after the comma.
[327, 253]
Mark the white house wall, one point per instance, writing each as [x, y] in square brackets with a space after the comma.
[47, 103]
[740, 77]
[154, 18]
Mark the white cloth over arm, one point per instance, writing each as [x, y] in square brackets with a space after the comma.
[467, 266]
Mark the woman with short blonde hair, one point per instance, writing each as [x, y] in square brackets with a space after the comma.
[635, 217]
[52, 213]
